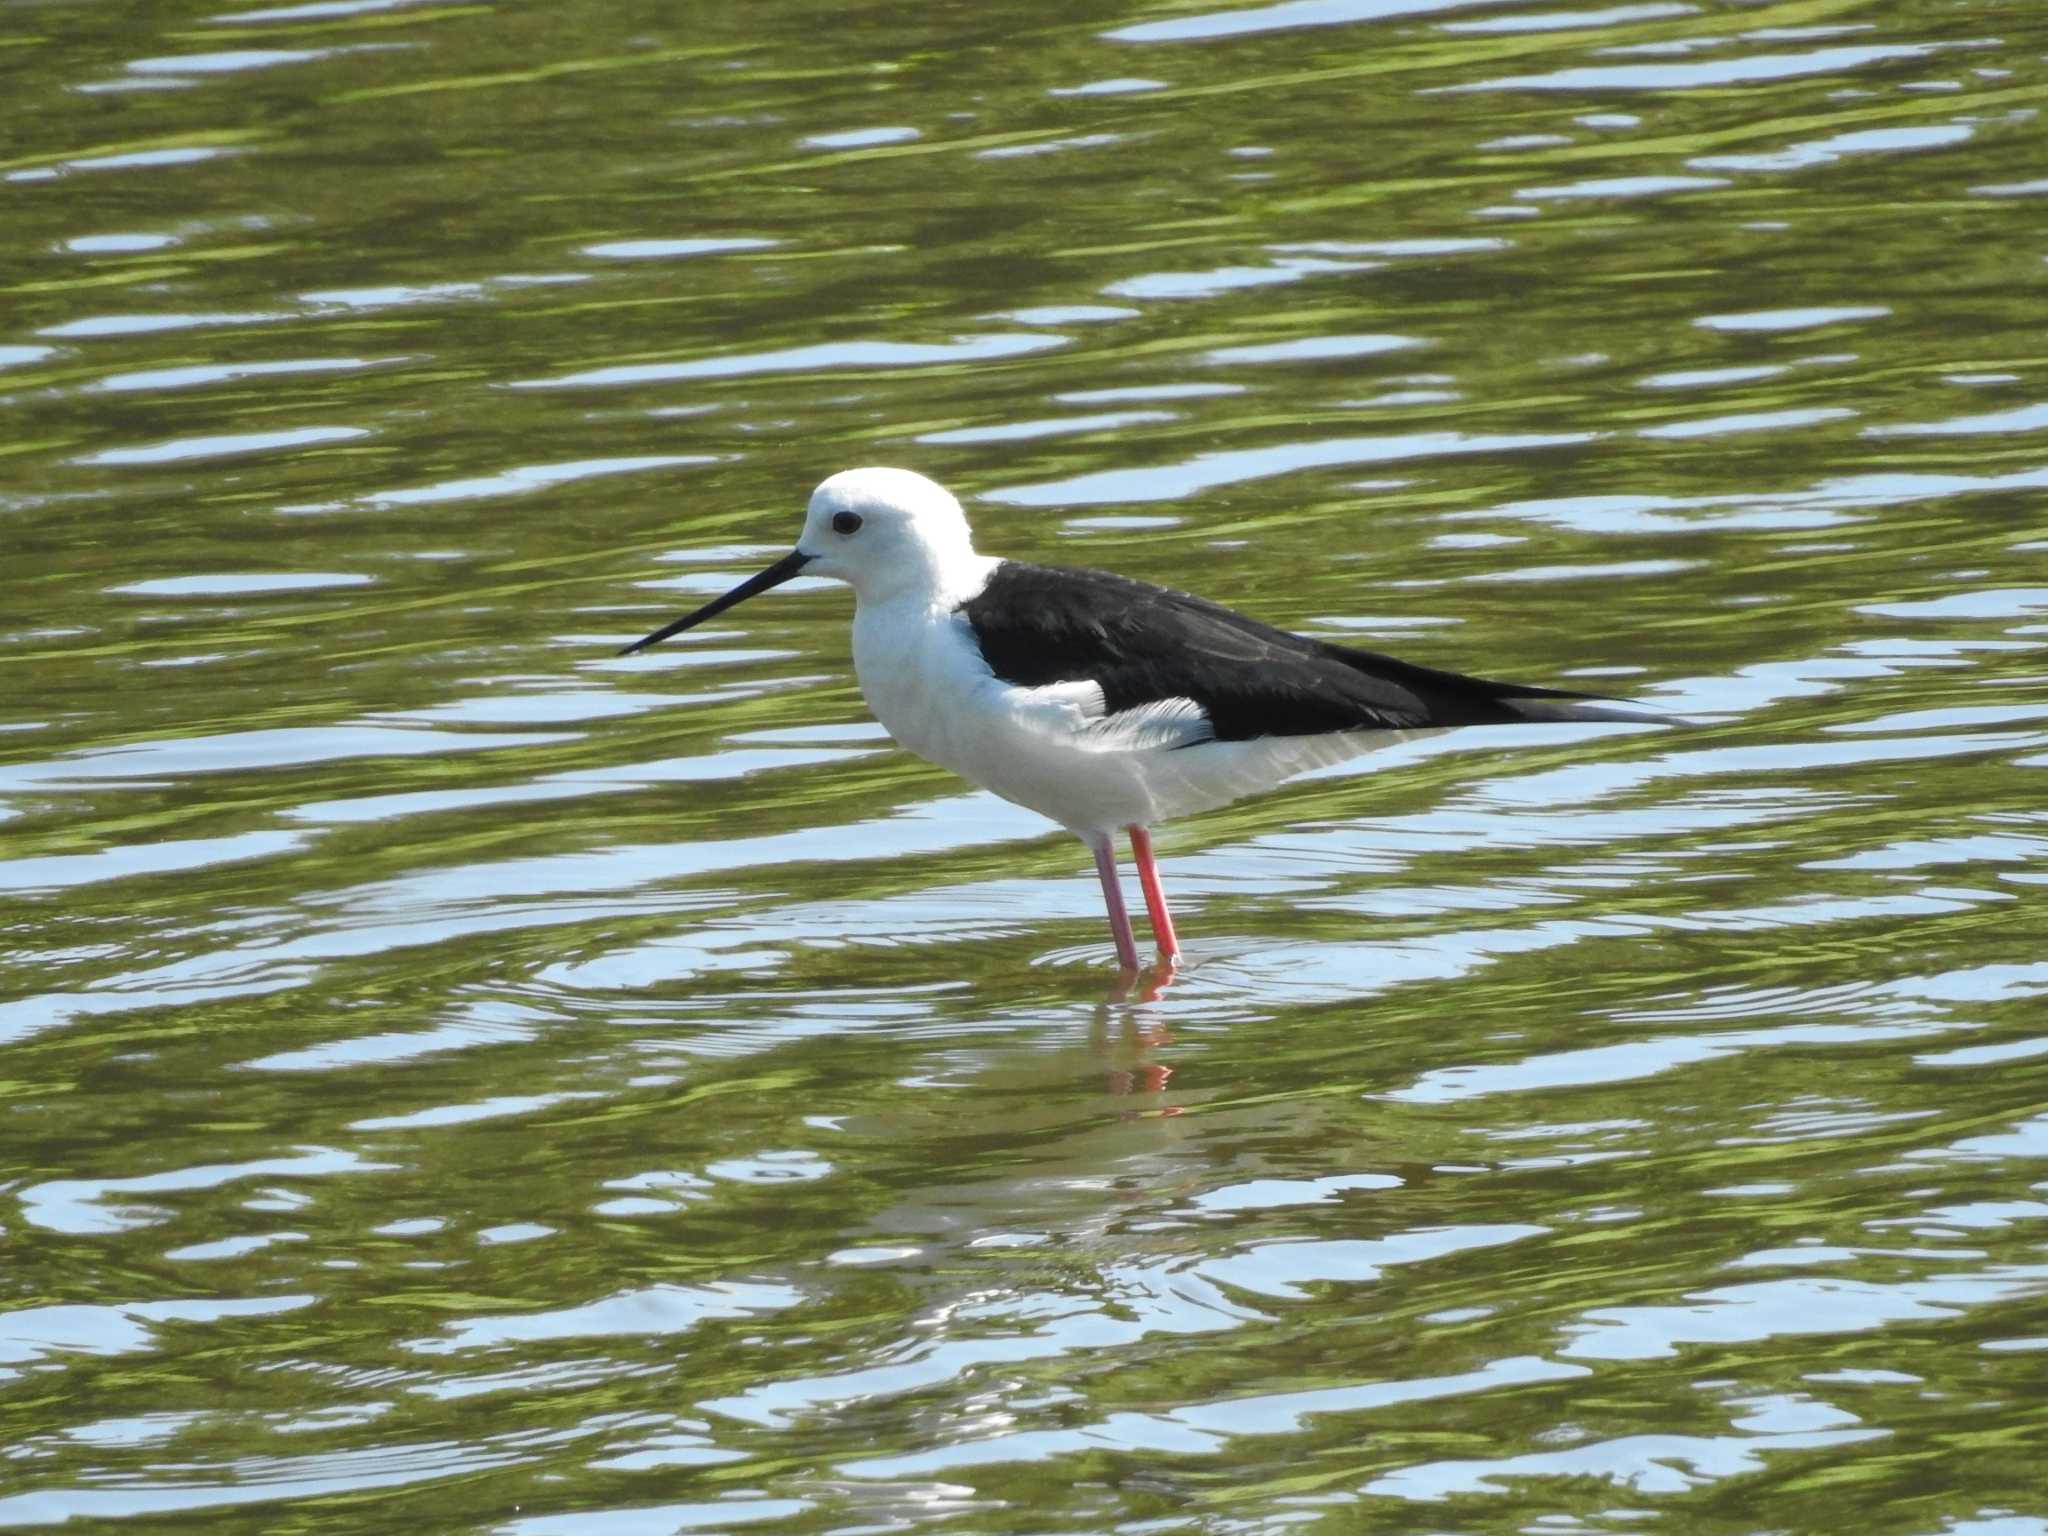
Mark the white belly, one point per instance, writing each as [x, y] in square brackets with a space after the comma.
[1044, 748]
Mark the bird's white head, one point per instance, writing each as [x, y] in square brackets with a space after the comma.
[887, 532]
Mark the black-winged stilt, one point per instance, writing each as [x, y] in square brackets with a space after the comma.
[1096, 700]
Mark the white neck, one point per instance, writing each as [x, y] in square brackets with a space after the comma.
[945, 580]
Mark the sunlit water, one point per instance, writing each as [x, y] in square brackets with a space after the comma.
[456, 1080]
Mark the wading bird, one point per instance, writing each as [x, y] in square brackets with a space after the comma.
[1099, 701]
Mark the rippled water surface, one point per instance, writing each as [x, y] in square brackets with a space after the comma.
[457, 1080]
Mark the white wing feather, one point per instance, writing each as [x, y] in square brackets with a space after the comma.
[1078, 716]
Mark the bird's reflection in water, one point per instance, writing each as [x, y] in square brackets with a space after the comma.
[1125, 1037]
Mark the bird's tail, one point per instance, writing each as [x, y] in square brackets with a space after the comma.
[1405, 694]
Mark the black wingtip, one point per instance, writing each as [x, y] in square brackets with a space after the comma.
[1591, 709]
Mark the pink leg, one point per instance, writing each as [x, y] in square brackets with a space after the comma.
[1155, 896]
[1113, 899]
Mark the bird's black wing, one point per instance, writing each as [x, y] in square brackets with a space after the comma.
[1143, 644]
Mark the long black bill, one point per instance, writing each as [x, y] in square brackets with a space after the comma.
[789, 565]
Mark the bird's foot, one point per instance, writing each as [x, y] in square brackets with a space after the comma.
[1146, 985]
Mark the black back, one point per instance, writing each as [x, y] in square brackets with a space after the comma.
[1040, 624]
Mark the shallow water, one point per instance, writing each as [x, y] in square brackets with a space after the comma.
[459, 1080]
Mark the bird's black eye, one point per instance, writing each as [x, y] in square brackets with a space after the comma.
[846, 522]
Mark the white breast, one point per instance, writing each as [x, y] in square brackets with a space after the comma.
[925, 680]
